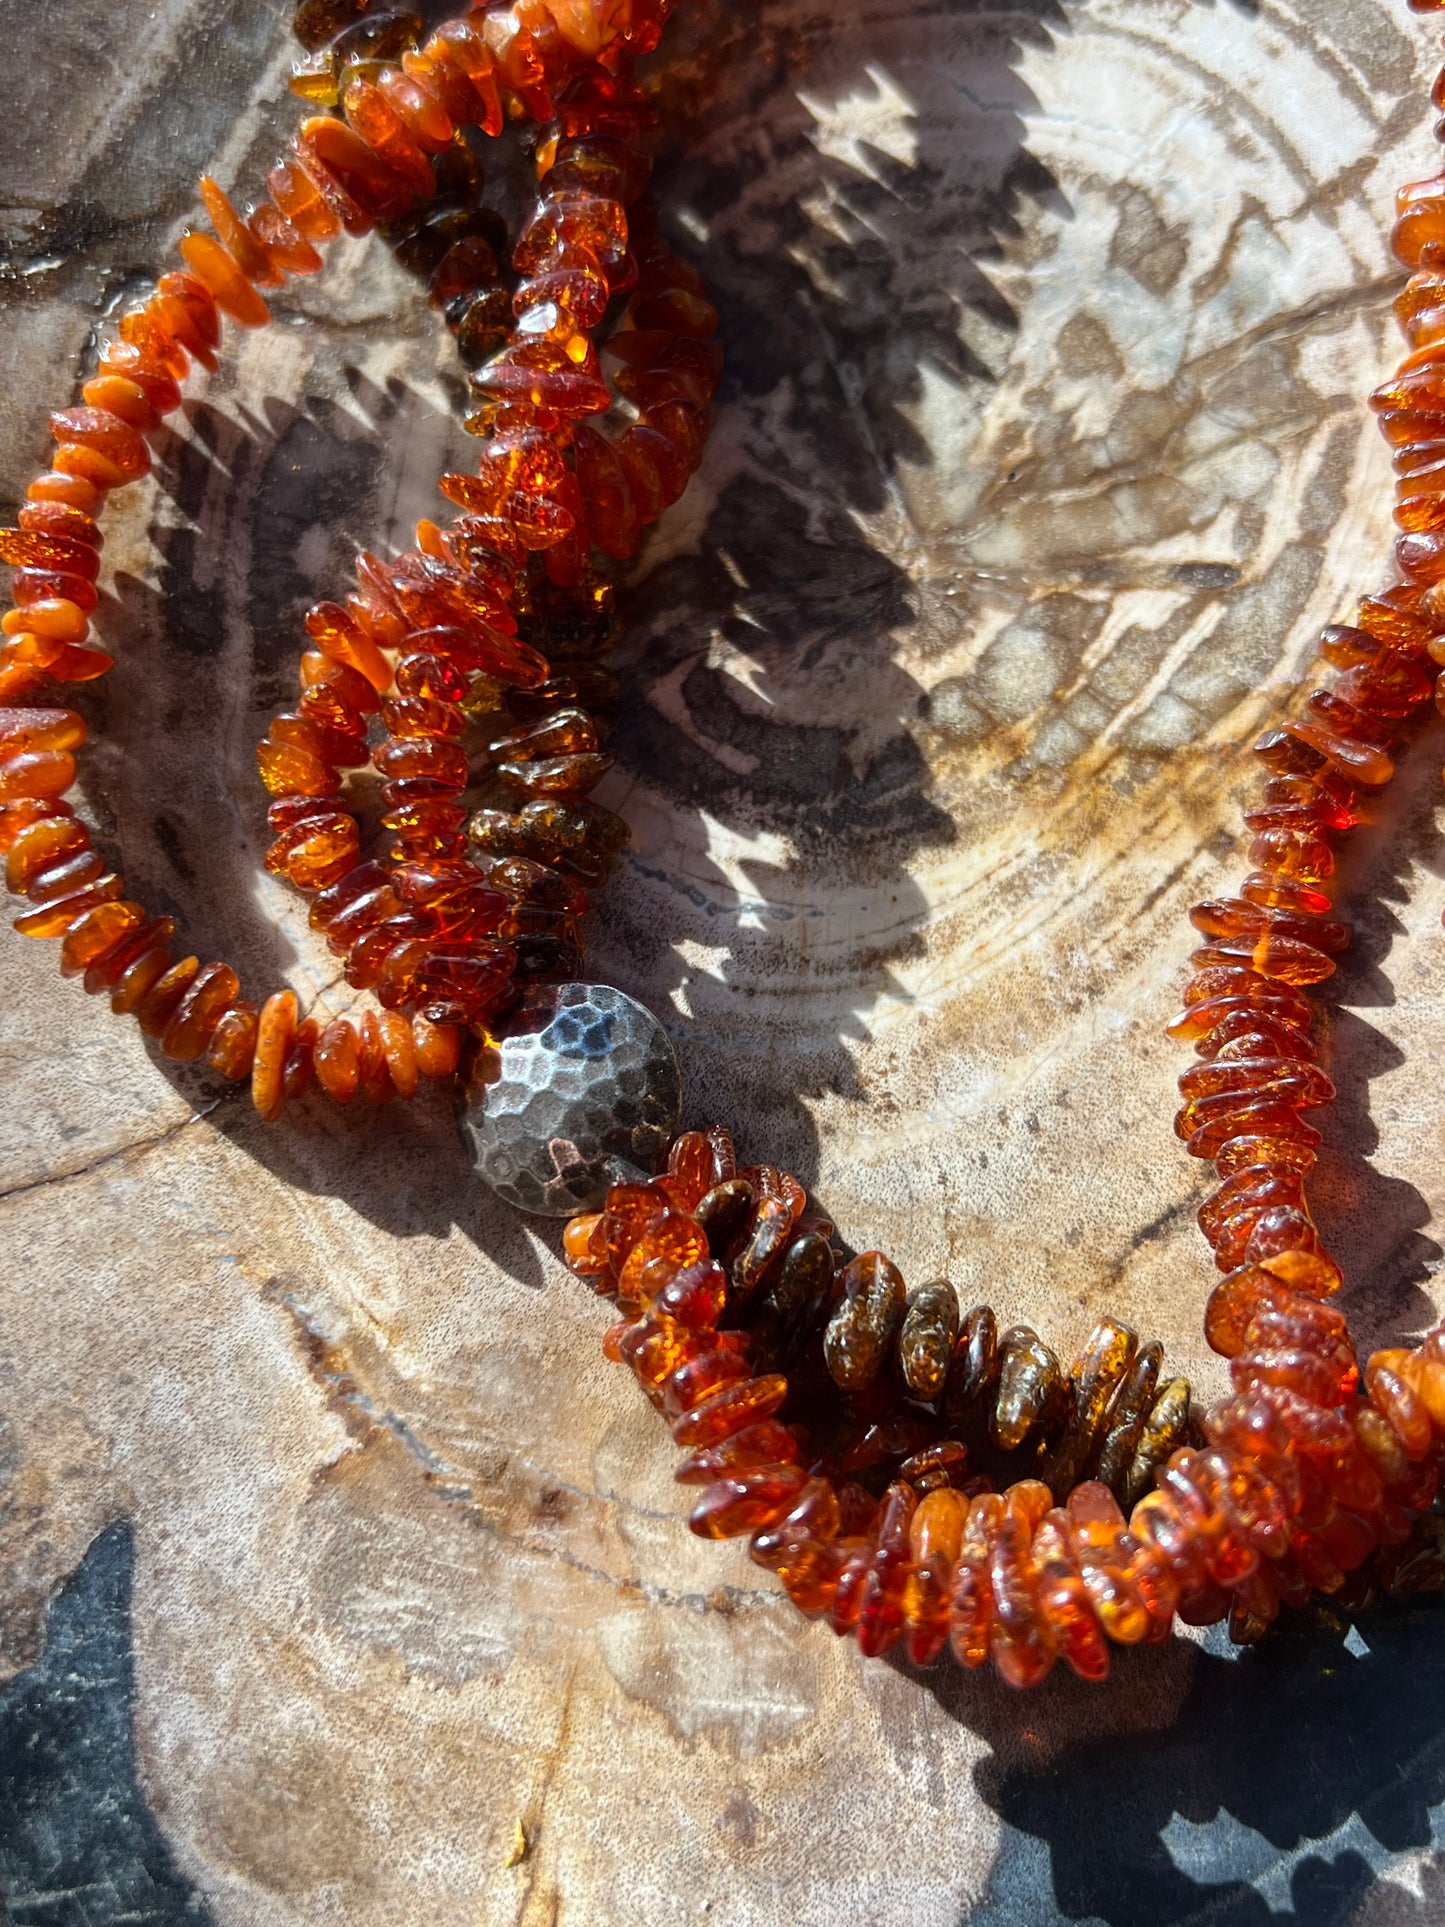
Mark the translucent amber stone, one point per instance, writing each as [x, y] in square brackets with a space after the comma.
[1165, 1426]
[399, 1050]
[210, 993]
[120, 454]
[970, 1612]
[288, 770]
[729, 1410]
[1284, 959]
[937, 1527]
[96, 932]
[223, 279]
[927, 1338]
[881, 1603]
[139, 978]
[1020, 1637]
[285, 244]
[438, 1047]
[1064, 1599]
[157, 1007]
[1030, 1381]
[1097, 1374]
[42, 841]
[232, 1047]
[863, 1328]
[747, 1501]
[35, 773]
[340, 636]
[1096, 1536]
[54, 918]
[63, 878]
[299, 1069]
[249, 254]
[275, 1030]
[672, 1237]
[335, 153]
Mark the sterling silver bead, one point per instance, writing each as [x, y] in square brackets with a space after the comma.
[582, 1090]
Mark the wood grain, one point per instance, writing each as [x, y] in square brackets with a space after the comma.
[1041, 457]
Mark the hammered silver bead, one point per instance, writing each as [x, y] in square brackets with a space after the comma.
[582, 1085]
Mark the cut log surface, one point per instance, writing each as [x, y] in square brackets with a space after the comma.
[1040, 459]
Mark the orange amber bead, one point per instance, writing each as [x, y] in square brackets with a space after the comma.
[209, 995]
[222, 277]
[104, 435]
[399, 1048]
[139, 977]
[251, 257]
[43, 841]
[156, 1008]
[338, 1068]
[747, 1501]
[36, 773]
[276, 1028]
[96, 933]
[232, 1047]
[729, 1410]
[438, 1047]
[54, 917]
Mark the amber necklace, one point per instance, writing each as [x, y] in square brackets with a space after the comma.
[910, 1473]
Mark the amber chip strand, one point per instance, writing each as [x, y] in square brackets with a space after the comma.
[431, 938]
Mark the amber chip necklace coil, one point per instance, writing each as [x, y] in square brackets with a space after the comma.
[911, 1472]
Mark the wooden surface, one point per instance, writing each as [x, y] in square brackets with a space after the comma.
[1040, 458]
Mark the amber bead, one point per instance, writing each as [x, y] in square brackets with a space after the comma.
[881, 1602]
[64, 877]
[316, 852]
[398, 1048]
[222, 277]
[438, 1047]
[275, 1029]
[747, 1501]
[1098, 1372]
[106, 971]
[35, 773]
[54, 918]
[762, 1248]
[862, 1330]
[927, 1338]
[724, 1213]
[767, 1443]
[937, 1527]
[1165, 1426]
[1064, 1600]
[285, 244]
[43, 841]
[1098, 1540]
[1228, 1553]
[729, 1410]
[970, 1613]
[794, 1296]
[299, 1070]
[670, 1238]
[94, 934]
[1030, 1385]
[300, 201]
[250, 255]
[1124, 1423]
[193, 1021]
[1020, 1637]
[694, 1296]
[231, 1050]
[139, 977]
